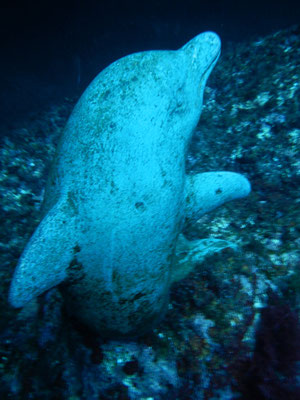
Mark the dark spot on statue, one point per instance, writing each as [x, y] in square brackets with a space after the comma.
[188, 199]
[75, 271]
[219, 191]
[105, 94]
[113, 187]
[114, 275]
[138, 296]
[140, 206]
[76, 249]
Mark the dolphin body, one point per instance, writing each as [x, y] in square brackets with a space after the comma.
[118, 197]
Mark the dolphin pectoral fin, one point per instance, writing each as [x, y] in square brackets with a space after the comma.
[46, 257]
[190, 253]
[209, 190]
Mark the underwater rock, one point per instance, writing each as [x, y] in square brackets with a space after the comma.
[118, 196]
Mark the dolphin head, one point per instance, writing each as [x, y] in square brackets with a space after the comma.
[201, 54]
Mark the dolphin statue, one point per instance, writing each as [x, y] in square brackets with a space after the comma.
[118, 196]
